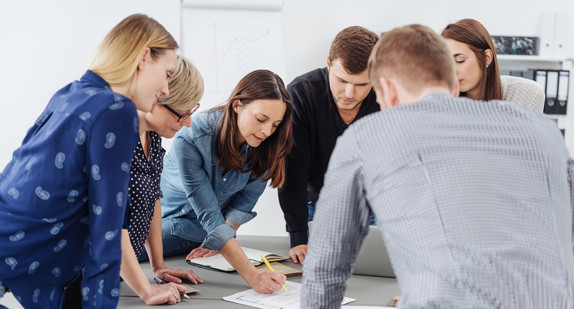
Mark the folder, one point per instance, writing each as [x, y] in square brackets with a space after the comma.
[218, 262]
[540, 78]
[562, 97]
[282, 269]
[517, 73]
[551, 92]
[529, 74]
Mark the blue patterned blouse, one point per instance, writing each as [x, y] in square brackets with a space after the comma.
[63, 197]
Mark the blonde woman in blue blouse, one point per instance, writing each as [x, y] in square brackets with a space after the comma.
[63, 195]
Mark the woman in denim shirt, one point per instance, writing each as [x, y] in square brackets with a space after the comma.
[217, 169]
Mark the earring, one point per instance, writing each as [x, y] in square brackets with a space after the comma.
[487, 66]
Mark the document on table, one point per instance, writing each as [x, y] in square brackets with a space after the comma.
[277, 300]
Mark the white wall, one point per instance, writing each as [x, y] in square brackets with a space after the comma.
[47, 44]
[309, 26]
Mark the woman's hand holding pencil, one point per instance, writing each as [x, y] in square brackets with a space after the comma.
[271, 269]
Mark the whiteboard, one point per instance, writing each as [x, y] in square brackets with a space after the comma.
[228, 39]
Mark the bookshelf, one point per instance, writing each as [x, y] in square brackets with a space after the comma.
[523, 63]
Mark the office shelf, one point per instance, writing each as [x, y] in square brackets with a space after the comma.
[525, 62]
[530, 58]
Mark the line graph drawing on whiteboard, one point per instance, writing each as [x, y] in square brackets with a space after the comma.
[242, 49]
[240, 46]
[225, 45]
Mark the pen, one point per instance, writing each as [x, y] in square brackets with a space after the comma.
[271, 269]
[159, 281]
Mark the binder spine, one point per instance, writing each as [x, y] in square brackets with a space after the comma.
[563, 89]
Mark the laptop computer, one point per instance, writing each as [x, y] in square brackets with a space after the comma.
[372, 259]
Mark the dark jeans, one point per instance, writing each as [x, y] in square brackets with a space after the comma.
[3, 290]
[172, 245]
[311, 207]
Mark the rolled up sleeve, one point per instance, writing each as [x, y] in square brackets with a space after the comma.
[240, 211]
[218, 237]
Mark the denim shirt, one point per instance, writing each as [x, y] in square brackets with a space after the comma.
[197, 197]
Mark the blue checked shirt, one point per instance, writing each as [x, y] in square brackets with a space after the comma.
[474, 201]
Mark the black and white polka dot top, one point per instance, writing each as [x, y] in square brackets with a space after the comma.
[144, 189]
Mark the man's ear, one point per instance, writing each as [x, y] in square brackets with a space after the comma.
[328, 61]
[390, 90]
[389, 93]
[143, 59]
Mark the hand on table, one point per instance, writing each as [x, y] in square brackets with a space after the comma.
[175, 275]
[169, 293]
[298, 253]
[200, 252]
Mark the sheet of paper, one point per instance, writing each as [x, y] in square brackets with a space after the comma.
[215, 261]
[277, 300]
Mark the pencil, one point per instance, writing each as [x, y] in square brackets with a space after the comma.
[271, 269]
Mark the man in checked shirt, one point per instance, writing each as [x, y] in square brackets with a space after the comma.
[473, 198]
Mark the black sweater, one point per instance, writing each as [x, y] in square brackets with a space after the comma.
[316, 126]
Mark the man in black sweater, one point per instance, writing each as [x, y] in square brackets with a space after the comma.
[325, 101]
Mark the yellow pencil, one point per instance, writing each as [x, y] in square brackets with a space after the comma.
[271, 269]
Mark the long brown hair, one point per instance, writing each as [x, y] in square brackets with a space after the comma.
[472, 33]
[267, 160]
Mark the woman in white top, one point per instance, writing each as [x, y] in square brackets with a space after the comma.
[478, 71]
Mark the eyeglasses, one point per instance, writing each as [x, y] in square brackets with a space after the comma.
[181, 117]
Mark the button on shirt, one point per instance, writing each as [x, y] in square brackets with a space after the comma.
[63, 197]
[197, 196]
[474, 200]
